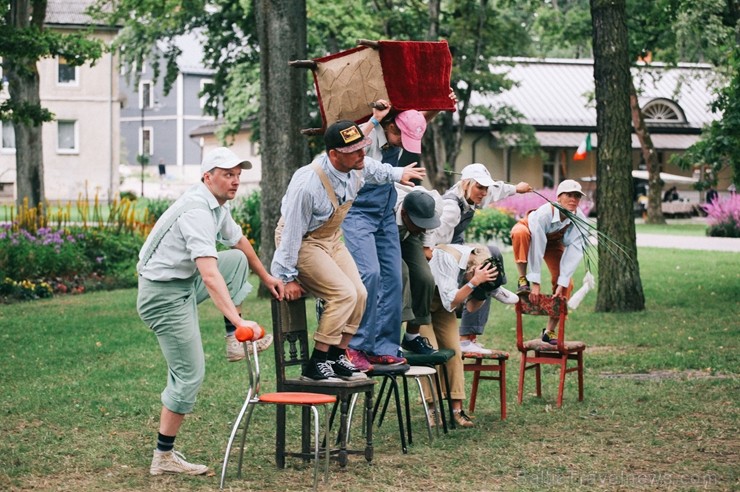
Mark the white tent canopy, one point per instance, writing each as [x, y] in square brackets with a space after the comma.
[665, 177]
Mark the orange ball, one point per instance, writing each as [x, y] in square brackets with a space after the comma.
[243, 333]
[259, 333]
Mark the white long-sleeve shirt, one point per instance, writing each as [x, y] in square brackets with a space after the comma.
[450, 216]
[546, 220]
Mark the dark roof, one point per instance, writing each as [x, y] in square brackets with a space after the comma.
[558, 93]
[70, 13]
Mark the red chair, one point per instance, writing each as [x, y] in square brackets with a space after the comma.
[543, 352]
[281, 399]
[494, 363]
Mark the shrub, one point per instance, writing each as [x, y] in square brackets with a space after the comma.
[156, 207]
[246, 213]
[520, 204]
[491, 223]
[36, 264]
[723, 217]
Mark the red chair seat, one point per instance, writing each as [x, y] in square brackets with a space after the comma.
[297, 398]
[497, 354]
[540, 346]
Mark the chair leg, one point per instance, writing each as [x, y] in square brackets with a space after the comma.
[368, 426]
[399, 412]
[538, 377]
[280, 437]
[305, 429]
[580, 376]
[561, 384]
[380, 398]
[502, 388]
[447, 396]
[234, 430]
[316, 460]
[343, 409]
[408, 409]
[437, 404]
[426, 409]
[474, 390]
[350, 414]
[438, 385]
[247, 421]
[522, 371]
[326, 443]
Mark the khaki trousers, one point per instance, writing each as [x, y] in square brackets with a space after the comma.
[444, 333]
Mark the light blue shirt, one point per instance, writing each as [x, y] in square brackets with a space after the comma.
[306, 205]
[193, 235]
[546, 220]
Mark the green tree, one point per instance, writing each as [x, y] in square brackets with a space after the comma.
[24, 40]
[620, 288]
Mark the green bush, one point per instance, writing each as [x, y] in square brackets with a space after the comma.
[156, 207]
[246, 213]
[491, 223]
[33, 265]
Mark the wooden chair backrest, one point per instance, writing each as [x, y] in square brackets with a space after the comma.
[546, 305]
[290, 333]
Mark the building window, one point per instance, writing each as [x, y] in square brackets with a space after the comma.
[146, 94]
[204, 85]
[663, 111]
[8, 135]
[146, 141]
[66, 73]
[548, 170]
[67, 137]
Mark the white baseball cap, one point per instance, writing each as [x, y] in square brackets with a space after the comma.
[479, 173]
[223, 158]
[569, 186]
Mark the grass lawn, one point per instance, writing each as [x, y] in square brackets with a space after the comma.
[81, 378]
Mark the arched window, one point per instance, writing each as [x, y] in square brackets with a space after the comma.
[663, 111]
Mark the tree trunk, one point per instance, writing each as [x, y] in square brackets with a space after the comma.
[620, 288]
[655, 185]
[281, 26]
[23, 88]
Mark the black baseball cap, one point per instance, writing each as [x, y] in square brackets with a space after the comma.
[419, 206]
[345, 136]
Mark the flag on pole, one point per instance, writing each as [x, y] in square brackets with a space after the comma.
[583, 149]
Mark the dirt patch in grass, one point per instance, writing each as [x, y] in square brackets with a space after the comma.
[667, 374]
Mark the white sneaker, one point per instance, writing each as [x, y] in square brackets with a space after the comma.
[235, 350]
[173, 462]
[471, 346]
[505, 296]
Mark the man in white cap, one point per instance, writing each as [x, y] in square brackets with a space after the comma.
[475, 190]
[179, 267]
[548, 234]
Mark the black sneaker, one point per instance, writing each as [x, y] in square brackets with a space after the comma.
[418, 345]
[319, 370]
[549, 337]
[344, 369]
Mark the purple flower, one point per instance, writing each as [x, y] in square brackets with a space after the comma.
[99, 259]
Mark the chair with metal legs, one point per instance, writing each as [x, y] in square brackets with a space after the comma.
[305, 400]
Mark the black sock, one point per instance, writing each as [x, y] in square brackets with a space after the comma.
[335, 352]
[230, 328]
[165, 443]
[319, 355]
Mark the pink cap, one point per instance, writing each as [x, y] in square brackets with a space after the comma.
[412, 125]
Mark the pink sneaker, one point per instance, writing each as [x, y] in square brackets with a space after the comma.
[388, 360]
[359, 360]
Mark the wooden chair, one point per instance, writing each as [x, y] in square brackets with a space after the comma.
[308, 402]
[290, 332]
[543, 352]
[485, 363]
